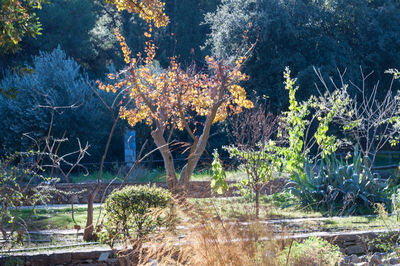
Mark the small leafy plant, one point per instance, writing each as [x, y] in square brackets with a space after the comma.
[261, 165]
[135, 211]
[218, 183]
[396, 204]
[388, 241]
[312, 251]
[340, 188]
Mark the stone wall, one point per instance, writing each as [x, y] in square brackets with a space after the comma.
[349, 243]
[101, 257]
[78, 193]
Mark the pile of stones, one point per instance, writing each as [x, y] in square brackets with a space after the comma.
[377, 259]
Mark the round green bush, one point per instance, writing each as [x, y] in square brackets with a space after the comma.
[137, 210]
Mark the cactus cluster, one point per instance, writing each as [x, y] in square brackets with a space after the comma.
[338, 187]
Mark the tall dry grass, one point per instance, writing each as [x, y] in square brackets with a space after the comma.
[199, 237]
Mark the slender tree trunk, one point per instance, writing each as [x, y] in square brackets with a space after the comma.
[89, 228]
[88, 233]
[257, 203]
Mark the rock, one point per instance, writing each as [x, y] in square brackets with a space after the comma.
[113, 262]
[394, 261]
[75, 199]
[88, 255]
[349, 243]
[61, 258]
[347, 259]
[347, 238]
[354, 259]
[358, 249]
[364, 263]
[363, 258]
[376, 259]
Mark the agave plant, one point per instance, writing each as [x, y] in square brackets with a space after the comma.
[340, 188]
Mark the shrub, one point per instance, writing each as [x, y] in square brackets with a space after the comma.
[396, 204]
[218, 183]
[260, 164]
[340, 188]
[133, 209]
[312, 251]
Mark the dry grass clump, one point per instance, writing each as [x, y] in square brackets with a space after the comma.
[199, 237]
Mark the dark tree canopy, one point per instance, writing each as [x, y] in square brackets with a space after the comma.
[327, 34]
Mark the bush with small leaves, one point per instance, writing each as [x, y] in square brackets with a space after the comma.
[312, 251]
[218, 178]
[136, 211]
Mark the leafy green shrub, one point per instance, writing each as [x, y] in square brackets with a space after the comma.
[261, 165]
[396, 204]
[218, 183]
[340, 188]
[133, 209]
[312, 251]
[281, 199]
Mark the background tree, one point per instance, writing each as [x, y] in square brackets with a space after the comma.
[327, 34]
[367, 119]
[253, 132]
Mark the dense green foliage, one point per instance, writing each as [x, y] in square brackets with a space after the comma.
[340, 188]
[327, 34]
[85, 30]
[131, 212]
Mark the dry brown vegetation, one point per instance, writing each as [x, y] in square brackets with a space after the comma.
[198, 238]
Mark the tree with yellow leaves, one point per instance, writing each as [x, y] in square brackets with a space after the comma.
[172, 98]
[176, 98]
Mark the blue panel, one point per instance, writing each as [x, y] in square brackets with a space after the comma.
[130, 146]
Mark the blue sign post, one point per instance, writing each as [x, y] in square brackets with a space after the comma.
[130, 147]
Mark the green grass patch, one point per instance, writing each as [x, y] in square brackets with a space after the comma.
[277, 206]
[144, 175]
[55, 218]
[271, 207]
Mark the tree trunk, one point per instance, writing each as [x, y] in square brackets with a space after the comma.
[88, 233]
[257, 203]
[160, 142]
[89, 229]
[198, 148]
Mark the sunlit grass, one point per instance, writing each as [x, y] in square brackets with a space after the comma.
[277, 206]
[143, 175]
[55, 218]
